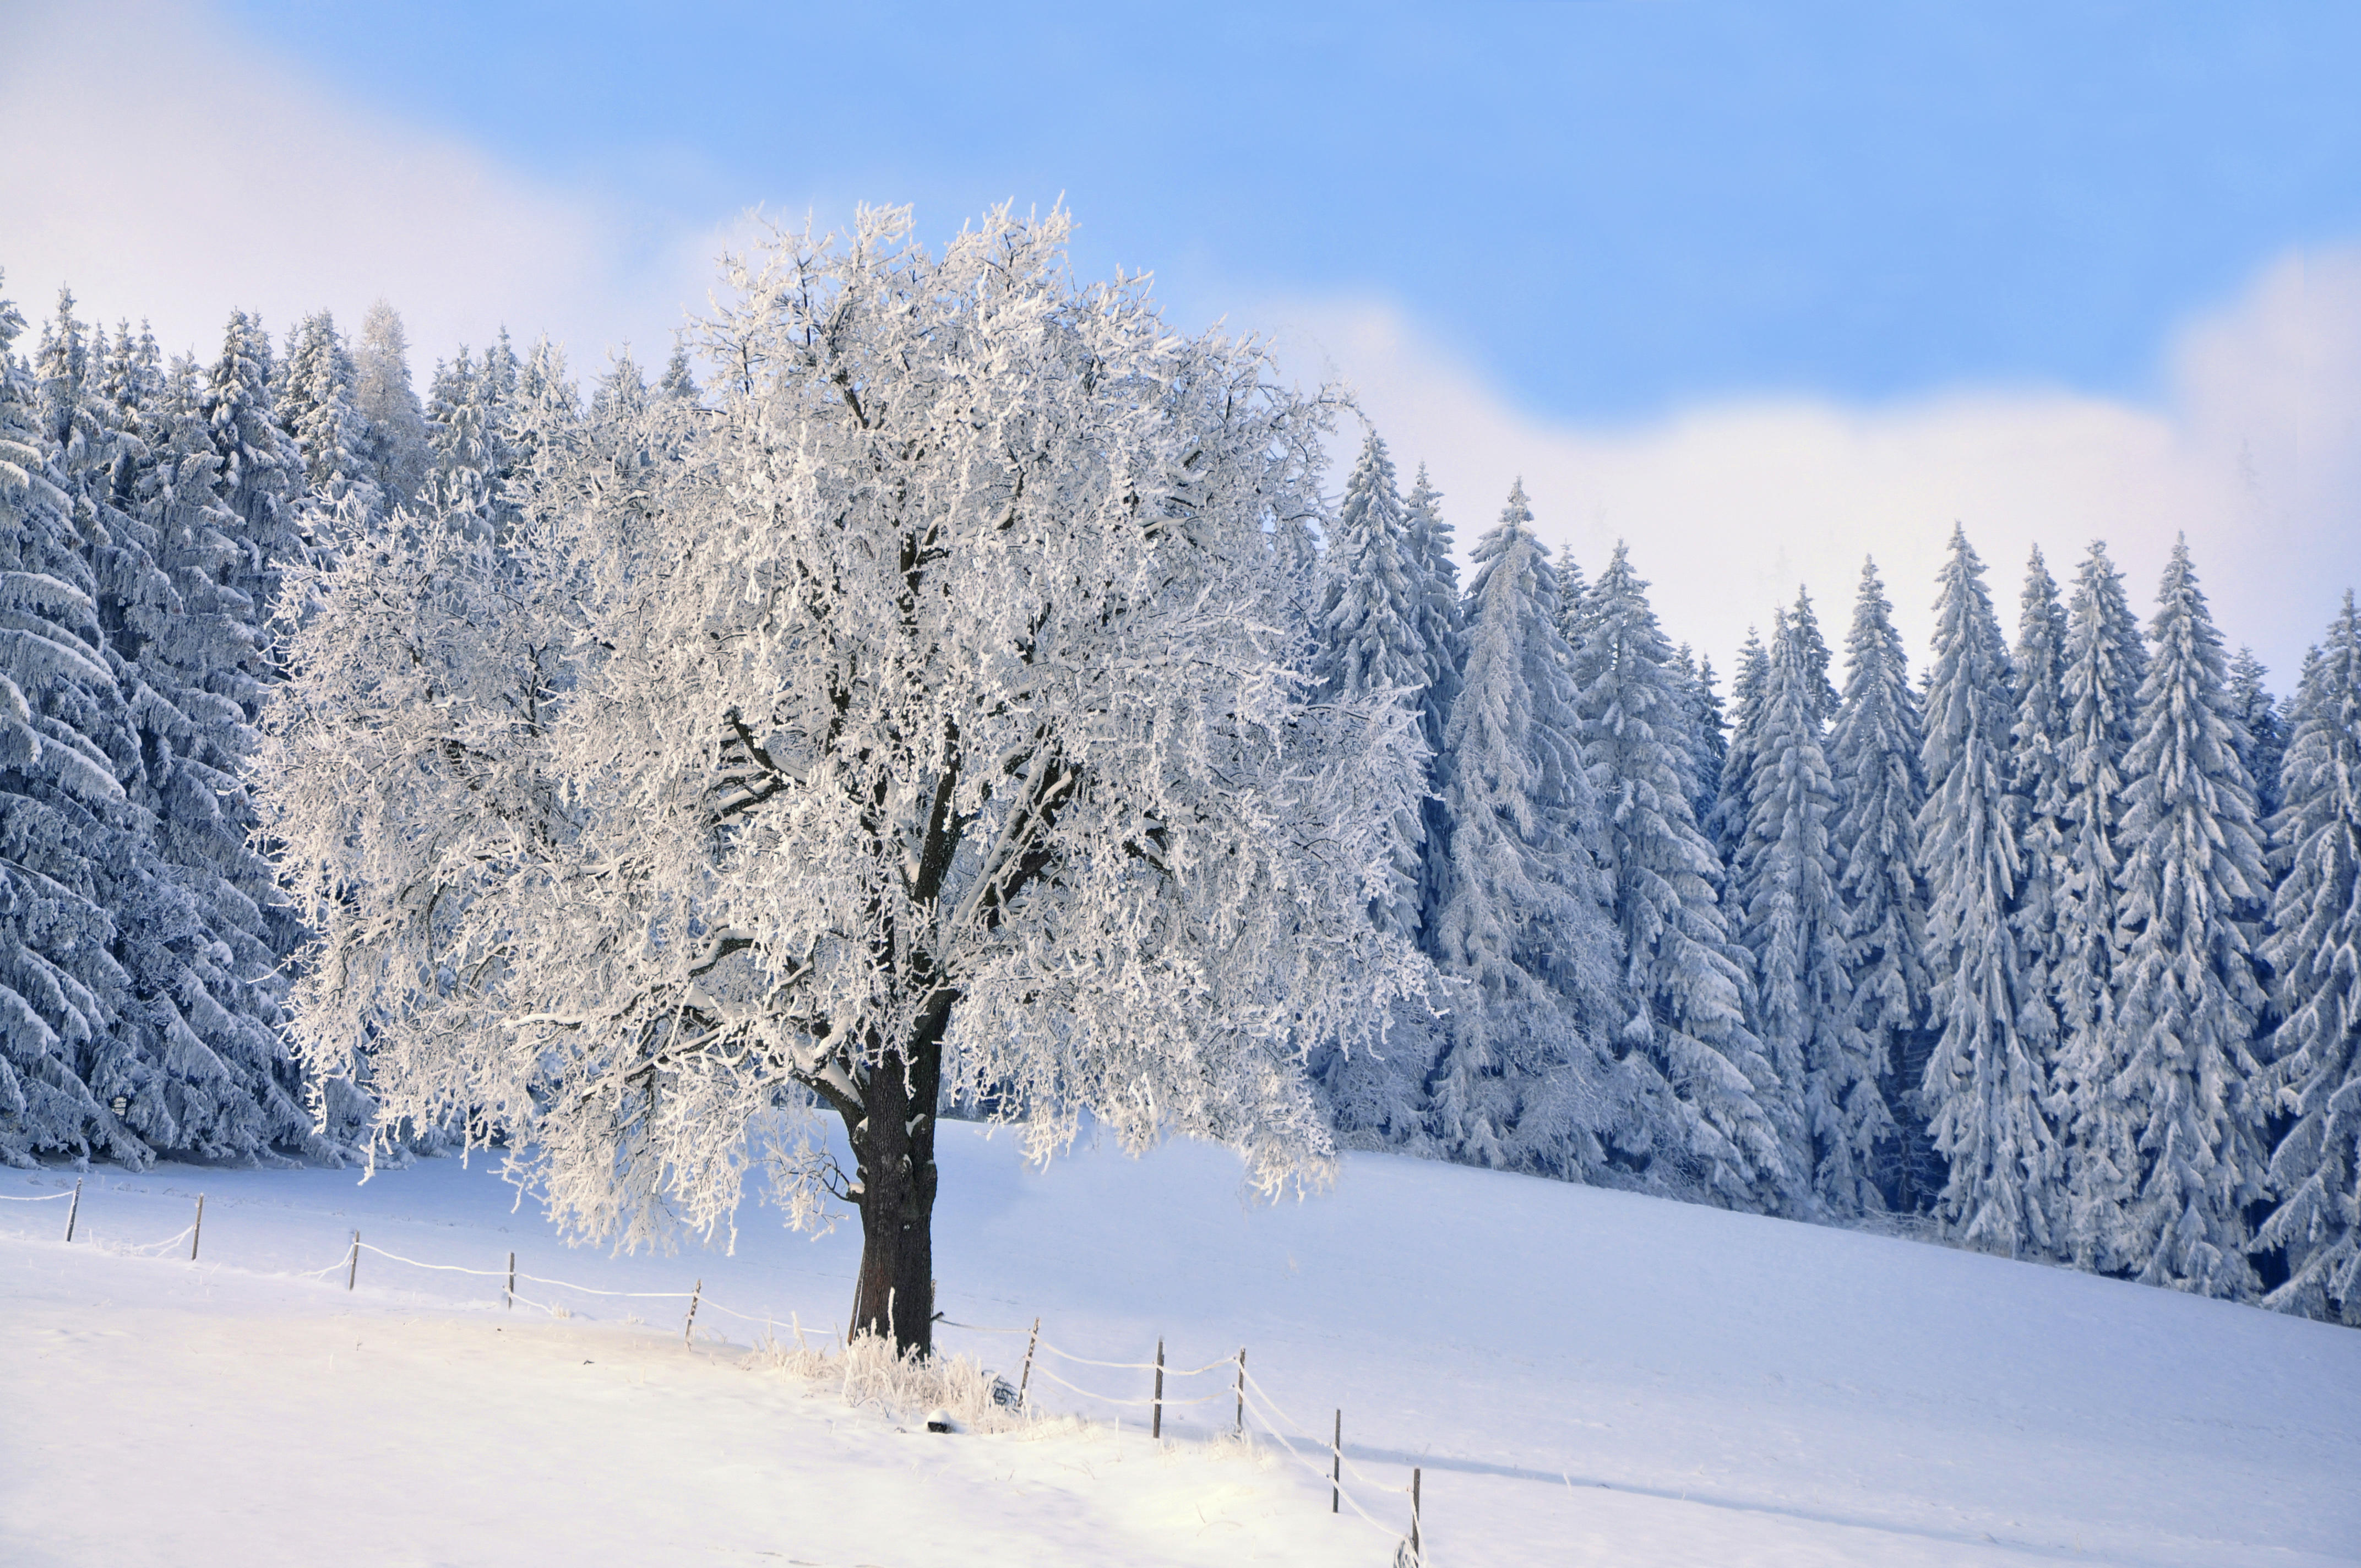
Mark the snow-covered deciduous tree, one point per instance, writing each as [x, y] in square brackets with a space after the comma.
[2314, 950]
[2186, 996]
[1699, 1075]
[921, 720]
[1827, 1104]
[1873, 759]
[2105, 666]
[1986, 1090]
[1525, 1079]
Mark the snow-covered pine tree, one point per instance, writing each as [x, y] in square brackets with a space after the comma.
[318, 409]
[1439, 627]
[2314, 951]
[1372, 643]
[1700, 1074]
[2262, 739]
[676, 380]
[398, 450]
[1708, 734]
[1827, 1102]
[261, 475]
[2038, 816]
[459, 427]
[1873, 757]
[62, 989]
[623, 392]
[935, 759]
[1525, 1079]
[1986, 1090]
[1572, 590]
[2186, 994]
[1818, 658]
[197, 1029]
[1734, 796]
[2103, 668]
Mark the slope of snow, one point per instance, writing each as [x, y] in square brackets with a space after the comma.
[1585, 1377]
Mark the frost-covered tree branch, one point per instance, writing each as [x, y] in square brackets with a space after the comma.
[921, 720]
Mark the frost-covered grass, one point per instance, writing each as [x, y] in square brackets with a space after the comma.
[1585, 1376]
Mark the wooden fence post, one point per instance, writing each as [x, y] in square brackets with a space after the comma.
[1242, 1389]
[355, 1271]
[73, 1208]
[198, 1233]
[1417, 1553]
[1337, 1470]
[512, 1282]
[1156, 1424]
[693, 1296]
[1023, 1382]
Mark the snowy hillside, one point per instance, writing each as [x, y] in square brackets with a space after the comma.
[1585, 1377]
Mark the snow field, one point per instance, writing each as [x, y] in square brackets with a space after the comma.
[1585, 1377]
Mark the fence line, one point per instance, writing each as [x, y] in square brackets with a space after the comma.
[1252, 1397]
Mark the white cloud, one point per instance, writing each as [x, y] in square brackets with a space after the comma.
[166, 167]
[2254, 452]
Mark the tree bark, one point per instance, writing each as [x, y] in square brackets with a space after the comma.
[894, 1147]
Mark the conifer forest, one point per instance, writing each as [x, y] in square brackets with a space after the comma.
[942, 688]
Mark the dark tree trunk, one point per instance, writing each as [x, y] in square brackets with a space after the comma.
[894, 1145]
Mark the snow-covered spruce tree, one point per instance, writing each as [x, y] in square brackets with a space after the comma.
[1873, 759]
[1371, 644]
[2185, 994]
[1986, 1090]
[1572, 591]
[60, 987]
[1709, 733]
[1817, 659]
[1525, 1079]
[399, 456]
[261, 476]
[2038, 791]
[196, 1036]
[1826, 1104]
[459, 426]
[2314, 950]
[2104, 666]
[2262, 739]
[678, 381]
[1439, 627]
[954, 744]
[1734, 803]
[317, 403]
[1700, 1073]
[1374, 644]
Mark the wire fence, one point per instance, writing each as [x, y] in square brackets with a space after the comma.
[1252, 1401]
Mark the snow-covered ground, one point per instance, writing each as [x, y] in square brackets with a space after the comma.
[1585, 1377]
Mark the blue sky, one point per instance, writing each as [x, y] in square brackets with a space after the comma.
[1613, 208]
[1761, 288]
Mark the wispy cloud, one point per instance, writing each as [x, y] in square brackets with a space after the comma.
[2254, 451]
[165, 167]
